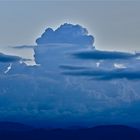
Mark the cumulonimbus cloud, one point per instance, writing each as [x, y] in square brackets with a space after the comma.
[66, 33]
[72, 84]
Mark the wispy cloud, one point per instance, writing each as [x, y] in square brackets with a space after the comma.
[100, 74]
[24, 47]
[103, 55]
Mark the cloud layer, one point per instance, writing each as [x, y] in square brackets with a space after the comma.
[65, 90]
[66, 33]
[9, 58]
[106, 75]
[72, 85]
[103, 55]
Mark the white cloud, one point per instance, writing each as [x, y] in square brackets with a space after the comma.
[8, 68]
[119, 66]
[98, 64]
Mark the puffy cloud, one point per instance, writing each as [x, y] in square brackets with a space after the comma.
[44, 95]
[65, 101]
[66, 33]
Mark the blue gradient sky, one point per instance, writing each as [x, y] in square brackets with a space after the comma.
[114, 24]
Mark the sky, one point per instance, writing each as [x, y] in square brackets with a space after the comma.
[114, 24]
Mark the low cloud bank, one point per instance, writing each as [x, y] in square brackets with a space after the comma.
[103, 55]
[98, 74]
[9, 58]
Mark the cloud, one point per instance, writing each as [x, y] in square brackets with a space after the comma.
[127, 74]
[9, 58]
[103, 55]
[72, 84]
[99, 74]
[66, 33]
[68, 67]
[8, 68]
[65, 101]
[24, 47]
[119, 66]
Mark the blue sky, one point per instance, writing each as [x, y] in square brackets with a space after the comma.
[114, 24]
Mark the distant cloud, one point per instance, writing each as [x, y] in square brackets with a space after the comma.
[103, 55]
[9, 58]
[8, 68]
[67, 67]
[119, 66]
[24, 47]
[99, 74]
[66, 33]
